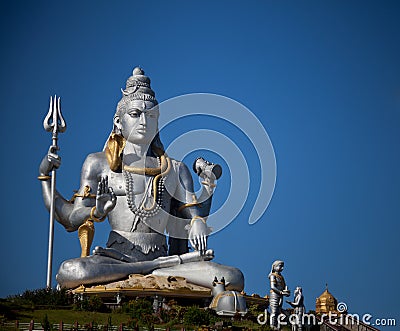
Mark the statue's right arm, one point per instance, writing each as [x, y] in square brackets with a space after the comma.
[63, 208]
[91, 176]
[70, 215]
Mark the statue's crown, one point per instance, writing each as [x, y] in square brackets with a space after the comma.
[137, 88]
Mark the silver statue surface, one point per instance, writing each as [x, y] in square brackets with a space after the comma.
[277, 292]
[227, 303]
[299, 309]
[145, 195]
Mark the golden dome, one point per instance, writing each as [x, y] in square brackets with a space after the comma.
[325, 303]
[326, 295]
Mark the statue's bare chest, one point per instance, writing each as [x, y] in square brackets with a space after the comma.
[132, 191]
[279, 281]
[118, 183]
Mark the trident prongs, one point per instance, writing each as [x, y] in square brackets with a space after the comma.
[54, 120]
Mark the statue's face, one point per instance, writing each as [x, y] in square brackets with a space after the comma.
[279, 267]
[139, 123]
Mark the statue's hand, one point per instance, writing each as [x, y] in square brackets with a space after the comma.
[198, 235]
[105, 198]
[51, 161]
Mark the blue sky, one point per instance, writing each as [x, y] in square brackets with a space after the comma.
[323, 77]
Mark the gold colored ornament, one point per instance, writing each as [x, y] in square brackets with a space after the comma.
[191, 204]
[84, 195]
[165, 169]
[208, 184]
[86, 235]
[94, 218]
[44, 177]
[149, 171]
[115, 146]
[197, 218]
[158, 174]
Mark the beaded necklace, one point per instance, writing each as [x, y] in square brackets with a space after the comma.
[141, 212]
[131, 201]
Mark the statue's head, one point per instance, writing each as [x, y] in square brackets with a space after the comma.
[135, 120]
[298, 290]
[277, 266]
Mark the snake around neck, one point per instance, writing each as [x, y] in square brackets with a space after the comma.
[159, 174]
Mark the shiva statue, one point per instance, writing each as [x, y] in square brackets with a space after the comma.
[299, 309]
[145, 195]
[277, 292]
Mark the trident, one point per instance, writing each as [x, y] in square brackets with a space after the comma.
[53, 122]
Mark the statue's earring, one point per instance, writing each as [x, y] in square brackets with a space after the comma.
[117, 131]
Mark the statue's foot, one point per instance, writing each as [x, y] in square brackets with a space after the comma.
[197, 256]
[110, 252]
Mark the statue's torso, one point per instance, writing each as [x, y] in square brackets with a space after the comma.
[135, 235]
[122, 218]
[278, 280]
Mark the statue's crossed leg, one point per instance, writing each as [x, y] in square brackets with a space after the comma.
[194, 266]
[107, 265]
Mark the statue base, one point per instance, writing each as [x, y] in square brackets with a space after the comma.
[157, 287]
[136, 285]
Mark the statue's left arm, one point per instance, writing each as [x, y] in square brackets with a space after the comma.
[188, 209]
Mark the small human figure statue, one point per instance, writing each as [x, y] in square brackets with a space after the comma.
[299, 309]
[144, 194]
[277, 292]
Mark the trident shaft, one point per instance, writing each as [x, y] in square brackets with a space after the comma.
[53, 122]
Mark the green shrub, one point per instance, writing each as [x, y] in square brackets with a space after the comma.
[8, 309]
[253, 311]
[196, 316]
[141, 312]
[176, 312]
[48, 297]
[92, 303]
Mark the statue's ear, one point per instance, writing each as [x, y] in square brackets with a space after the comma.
[215, 281]
[117, 122]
